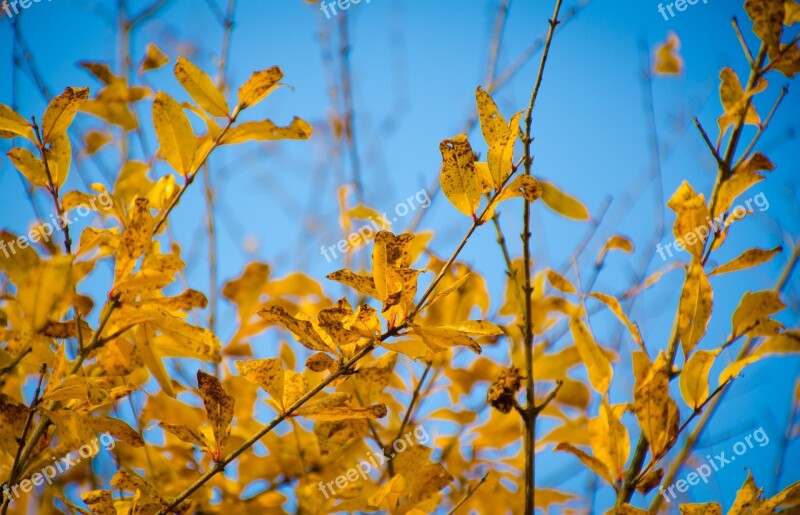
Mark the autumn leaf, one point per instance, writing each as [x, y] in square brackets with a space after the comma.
[153, 59]
[752, 315]
[610, 441]
[219, 408]
[656, 411]
[12, 124]
[748, 259]
[201, 88]
[596, 362]
[694, 377]
[562, 203]
[459, 181]
[694, 310]
[302, 329]
[174, 133]
[668, 61]
[613, 304]
[61, 111]
[258, 86]
[784, 343]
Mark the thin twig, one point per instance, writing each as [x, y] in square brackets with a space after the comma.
[471, 491]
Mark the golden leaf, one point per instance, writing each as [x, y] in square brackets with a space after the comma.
[656, 411]
[562, 203]
[610, 441]
[258, 86]
[767, 16]
[12, 124]
[266, 130]
[751, 316]
[694, 377]
[153, 59]
[460, 183]
[597, 364]
[594, 464]
[61, 111]
[668, 61]
[784, 343]
[748, 259]
[219, 407]
[303, 330]
[30, 166]
[694, 309]
[200, 87]
[613, 304]
[174, 132]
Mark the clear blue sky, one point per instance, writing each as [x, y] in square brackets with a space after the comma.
[415, 66]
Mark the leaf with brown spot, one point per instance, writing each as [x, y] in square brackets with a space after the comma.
[258, 86]
[61, 111]
[748, 259]
[459, 180]
[303, 330]
[219, 407]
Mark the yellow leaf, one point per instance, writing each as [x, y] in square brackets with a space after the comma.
[135, 240]
[12, 124]
[175, 135]
[499, 137]
[187, 434]
[390, 254]
[610, 441]
[784, 343]
[116, 428]
[335, 407]
[668, 61]
[789, 497]
[43, 289]
[219, 407]
[303, 330]
[748, 259]
[694, 309]
[266, 130]
[747, 497]
[597, 364]
[594, 464]
[258, 86]
[656, 411]
[363, 284]
[751, 316]
[459, 180]
[694, 377]
[59, 156]
[560, 282]
[711, 508]
[154, 58]
[615, 242]
[744, 176]
[94, 141]
[525, 186]
[61, 111]
[266, 373]
[30, 166]
[152, 361]
[182, 339]
[691, 223]
[792, 15]
[767, 16]
[438, 339]
[475, 327]
[562, 203]
[493, 125]
[424, 478]
[200, 87]
[734, 100]
[613, 304]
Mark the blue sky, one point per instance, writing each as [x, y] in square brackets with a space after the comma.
[415, 66]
